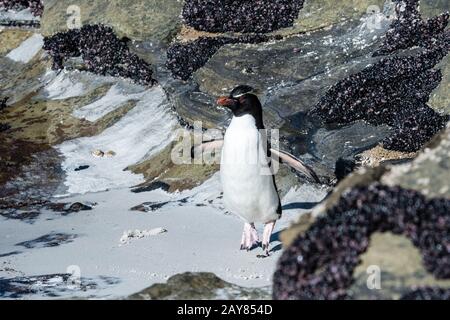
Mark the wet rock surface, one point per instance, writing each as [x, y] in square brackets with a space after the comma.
[240, 16]
[395, 90]
[49, 240]
[194, 286]
[3, 104]
[383, 95]
[36, 6]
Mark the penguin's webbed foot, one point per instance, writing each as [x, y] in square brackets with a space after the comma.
[268, 229]
[249, 237]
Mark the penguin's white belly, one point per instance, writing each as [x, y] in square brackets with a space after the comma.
[248, 187]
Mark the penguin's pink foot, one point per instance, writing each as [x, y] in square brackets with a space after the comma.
[268, 229]
[249, 237]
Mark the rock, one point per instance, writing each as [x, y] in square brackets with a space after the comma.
[183, 59]
[343, 168]
[26, 216]
[36, 6]
[81, 168]
[422, 176]
[67, 208]
[200, 286]
[428, 294]
[110, 154]
[4, 127]
[393, 100]
[149, 206]
[3, 103]
[102, 52]
[179, 177]
[154, 20]
[50, 286]
[152, 186]
[240, 16]
[98, 153]
[77, 207]
[319, 264]
[428, 173]
[318, 14]
[401, 85]
[401, 269]
[409, 29]
[49, 240]
[139, 234]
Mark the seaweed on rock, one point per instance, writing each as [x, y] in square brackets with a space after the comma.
[257, 16]
[102, 52]
[320, 263]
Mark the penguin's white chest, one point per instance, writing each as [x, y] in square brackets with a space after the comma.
[247, 182]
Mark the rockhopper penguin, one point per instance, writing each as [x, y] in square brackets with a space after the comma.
[247, 179]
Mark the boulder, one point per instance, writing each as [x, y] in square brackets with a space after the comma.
[156, 20]
[199, 286]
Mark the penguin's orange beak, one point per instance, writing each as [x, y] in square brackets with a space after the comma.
[225, 101]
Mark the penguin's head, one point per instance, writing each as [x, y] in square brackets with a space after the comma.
[243, 101]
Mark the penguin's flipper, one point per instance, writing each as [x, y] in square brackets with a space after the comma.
[206, 146]
[295, 163]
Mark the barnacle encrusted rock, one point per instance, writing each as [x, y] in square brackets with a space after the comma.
[409, 200]
[183, 59]
[153, 20]
[102, 52]
[241, 16]
[393, 92]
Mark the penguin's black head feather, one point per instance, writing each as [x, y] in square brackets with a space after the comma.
[242, 101]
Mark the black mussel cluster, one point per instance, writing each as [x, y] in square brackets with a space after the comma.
[102, 52]
[428, 293]
[409, 29]
[320, 263]
[392, 92]
[257, 16]
[36, 6]
[183, 59]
